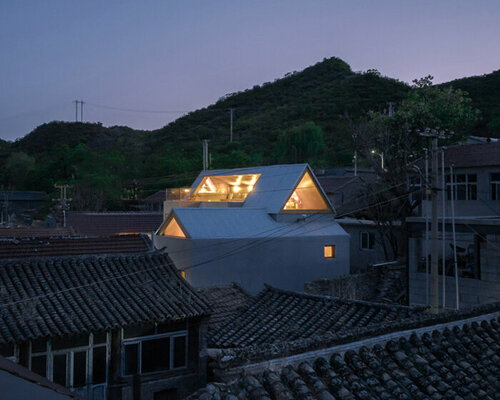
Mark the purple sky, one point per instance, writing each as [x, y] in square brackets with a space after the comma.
[183, 55]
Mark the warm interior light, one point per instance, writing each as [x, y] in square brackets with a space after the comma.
[173, 229]
[329, 251]
[230, 188]
[306, 197]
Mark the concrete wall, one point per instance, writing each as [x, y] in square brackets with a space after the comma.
[285, 263]
[471, 291]
[483, 206]
[361, 258]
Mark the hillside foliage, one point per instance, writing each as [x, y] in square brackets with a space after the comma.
[302, 117]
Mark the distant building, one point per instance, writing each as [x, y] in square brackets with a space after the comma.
[106, 318]
[254, 226]
[86, 223]
[19, 203]
[476, 190]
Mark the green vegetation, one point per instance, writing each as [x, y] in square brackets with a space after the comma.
[303, 117]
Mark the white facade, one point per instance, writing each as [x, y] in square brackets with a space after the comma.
[279, 229]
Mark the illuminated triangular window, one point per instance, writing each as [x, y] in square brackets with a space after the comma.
[306, 197]
[173, 229]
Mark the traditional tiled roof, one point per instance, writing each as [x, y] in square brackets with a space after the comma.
[282, 316]
[225, 302]
[453, 363]
[34, 232]
[43, 247]
[114, 223]
[22, 195]
[70, 295]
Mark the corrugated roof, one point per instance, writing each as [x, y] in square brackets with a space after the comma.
[224, 223]
[473, 155]
[273, 188]
[54, 296]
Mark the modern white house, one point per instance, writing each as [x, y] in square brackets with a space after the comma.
[255, 226]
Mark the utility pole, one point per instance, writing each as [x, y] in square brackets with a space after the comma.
[205, 154]
[76, 110]
[434, 134]
[63, 201]
[81, 110]
[231, 110]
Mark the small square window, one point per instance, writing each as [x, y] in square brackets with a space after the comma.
[329, 251]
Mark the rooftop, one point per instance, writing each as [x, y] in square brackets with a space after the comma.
[34, 232]
[225, 301]
[46, 247]
[113, 223]
[54, 296]
[18, 382]
[277, 315]
[458, 362]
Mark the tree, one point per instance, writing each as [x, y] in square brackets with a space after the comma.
[17, 168]
[300, 144]
[391, 144]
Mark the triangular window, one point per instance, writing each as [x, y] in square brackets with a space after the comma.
[306, 197]
[173, 229]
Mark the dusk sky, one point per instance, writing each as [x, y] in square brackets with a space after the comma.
[183, 55]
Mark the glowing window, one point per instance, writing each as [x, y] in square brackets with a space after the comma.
[329, 251]
[306, 197]
[230, 188]
[173, 229]
[182, 273]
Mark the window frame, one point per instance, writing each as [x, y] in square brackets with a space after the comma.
[140, 339]
[466, 185]
[49, 353]
[370, 240]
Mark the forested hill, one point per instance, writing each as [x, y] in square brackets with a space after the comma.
[484, 91]
[298, 118]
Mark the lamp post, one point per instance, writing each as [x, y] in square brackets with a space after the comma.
[381, 154]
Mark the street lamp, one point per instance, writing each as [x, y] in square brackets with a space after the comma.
[381, 157]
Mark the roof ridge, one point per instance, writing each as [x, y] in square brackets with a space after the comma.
[339, 299]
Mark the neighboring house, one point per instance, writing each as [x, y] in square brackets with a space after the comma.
[34, 232]
[121, 325]
[19, 383]
[113, 223]
[225, 301]
[476, 191]
[155, 201]
[366, 244]
[288, 345]
[254, 226]
[447, 357]
[383, 283]
[19, 202]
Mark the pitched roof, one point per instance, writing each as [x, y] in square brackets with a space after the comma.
[70, 295]
[34, 232]
[225, 301]
[277, 315]
[453, 363]
[157, 197]
[18, 382]
[473, 155]
[43, 247]
[273, 188]
[113, 223]
[223, 223]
